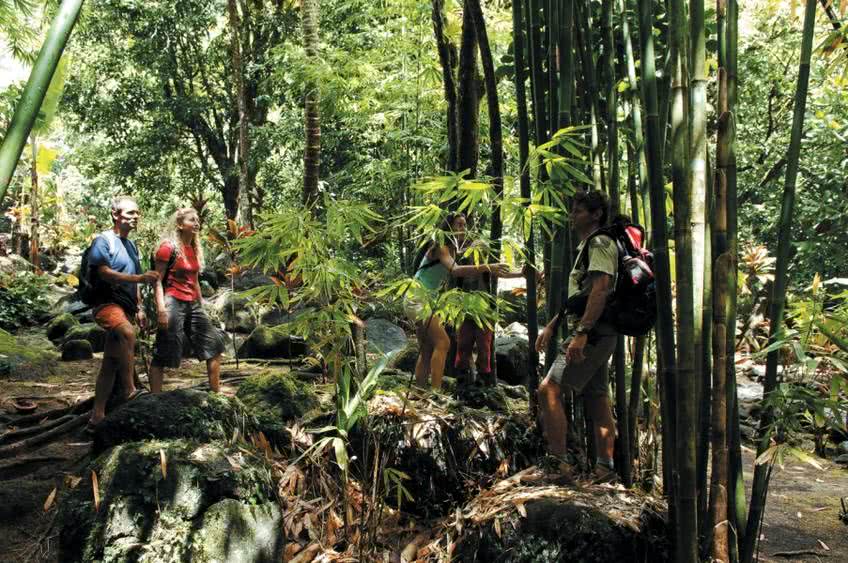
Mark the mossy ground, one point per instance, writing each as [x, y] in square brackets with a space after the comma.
[276, 398]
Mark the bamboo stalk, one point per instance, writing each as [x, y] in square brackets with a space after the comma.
[26, 111]
[781, 280]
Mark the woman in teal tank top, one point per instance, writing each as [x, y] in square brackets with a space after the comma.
[437, 266]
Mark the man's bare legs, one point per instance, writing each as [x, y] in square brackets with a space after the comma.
[554, 423]
[598, 409]
[118, 359]
[213, 371]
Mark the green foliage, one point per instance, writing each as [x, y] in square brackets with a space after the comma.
[23, 299]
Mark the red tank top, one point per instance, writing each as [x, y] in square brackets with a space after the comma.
[182, 282]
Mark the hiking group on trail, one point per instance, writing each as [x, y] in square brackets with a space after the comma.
[110, 279]
[609, 292]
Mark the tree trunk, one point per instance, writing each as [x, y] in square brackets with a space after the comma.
[698, 191]
[636, 116]
[469, 97]
[781, 280]
[665, 327]
[523, 152]
[447, 58]
[312, 150]
[241, 107]
[26, 111]
[33, 211]
[719, 517]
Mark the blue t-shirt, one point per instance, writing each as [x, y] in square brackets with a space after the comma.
[121, 256]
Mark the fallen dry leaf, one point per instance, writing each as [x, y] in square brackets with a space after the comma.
[71, 481]
[823, 545]
[50, 498]
[95, 488]
[521, 509]
[163, 463]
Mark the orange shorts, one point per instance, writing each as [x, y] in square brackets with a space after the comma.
[110, 316]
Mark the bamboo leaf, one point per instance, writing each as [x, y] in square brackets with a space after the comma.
[163, 463]
[95, 489]
[50, 499]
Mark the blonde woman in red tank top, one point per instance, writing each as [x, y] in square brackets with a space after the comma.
[180, 317]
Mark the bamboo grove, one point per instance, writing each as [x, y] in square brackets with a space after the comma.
[657, 127]
[632, 77]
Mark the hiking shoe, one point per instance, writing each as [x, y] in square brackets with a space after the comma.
[602, 474]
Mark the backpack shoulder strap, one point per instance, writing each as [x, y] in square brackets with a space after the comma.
[584, 252]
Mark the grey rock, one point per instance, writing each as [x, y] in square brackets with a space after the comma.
[405, 358]
[73, 350]
[215, 503]
[384, 336]
[747, 433]
[512, 353]
[250, 279]
[268, 343]
[14, 263]
[842, 448]
[841, 460]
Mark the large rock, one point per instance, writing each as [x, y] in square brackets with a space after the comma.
[173, 501]
[270, 343]
[384, 337]
[250, 279]
[95, 335]
[182, 413]
[73, 350]
[531, 518]
[59, 326]
[516, 310]
[512, 353]
[275, 399]
[14, 263]
[405, 358]
[235, 312]
[26, 356]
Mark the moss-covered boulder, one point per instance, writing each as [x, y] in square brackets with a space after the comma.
[73, 350]
[533, 519]
[88, 331]
[60, 325]
[182, 413]
[173, 501]
[25, 357]
[272, 343]
[275, 399]
[405, 358]
[447, 448]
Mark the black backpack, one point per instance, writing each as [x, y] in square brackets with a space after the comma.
[171, 260]
[89, 286]
[632, 307]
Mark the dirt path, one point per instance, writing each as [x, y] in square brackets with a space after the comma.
[803, 510]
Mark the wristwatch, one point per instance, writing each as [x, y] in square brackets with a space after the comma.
[582, 329]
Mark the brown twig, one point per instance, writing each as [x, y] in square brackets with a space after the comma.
[76, 408]
[787, 554]
[15, 435]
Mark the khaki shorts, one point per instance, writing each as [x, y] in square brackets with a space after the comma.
[591, 376]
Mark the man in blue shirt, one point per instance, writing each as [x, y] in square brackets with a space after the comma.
[116, 273]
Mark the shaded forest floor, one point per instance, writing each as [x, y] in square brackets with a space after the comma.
[802, 515]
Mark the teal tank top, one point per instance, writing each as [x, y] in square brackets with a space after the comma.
[431, 277]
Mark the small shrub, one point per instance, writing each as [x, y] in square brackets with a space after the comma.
[23, 299]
